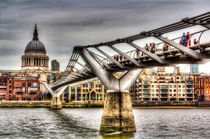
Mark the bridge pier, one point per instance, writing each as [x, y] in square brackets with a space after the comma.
[56, 103]
[118, 113]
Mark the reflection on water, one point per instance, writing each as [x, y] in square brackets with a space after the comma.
[85, 123]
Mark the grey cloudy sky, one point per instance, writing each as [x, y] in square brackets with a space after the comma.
[62, 24]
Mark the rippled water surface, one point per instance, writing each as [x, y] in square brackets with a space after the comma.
[85, 123]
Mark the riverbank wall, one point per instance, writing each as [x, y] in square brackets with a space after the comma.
[99, 104]
[47, 104]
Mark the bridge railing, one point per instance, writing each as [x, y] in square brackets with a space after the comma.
[158, 48]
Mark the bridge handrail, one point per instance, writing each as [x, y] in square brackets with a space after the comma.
[156, 48]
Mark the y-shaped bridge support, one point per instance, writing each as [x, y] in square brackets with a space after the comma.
[118, 112]
[56, 103]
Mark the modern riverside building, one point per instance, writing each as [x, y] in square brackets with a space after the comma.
[161, 86]
[194, 68]
[92, 91]
[55, 66]
[202, 87]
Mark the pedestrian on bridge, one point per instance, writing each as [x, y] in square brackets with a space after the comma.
[188, 39]
[183, 40]
[137, 53]
[152, 48]
[195, 42]
[165, 46]
[146, 47]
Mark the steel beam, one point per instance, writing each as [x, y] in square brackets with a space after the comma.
[206, 26]
[125, 55]
[182, 48]
[57, 92]
[111, 58]
[153, 56]
[83, 66]
[75, 68]
[129, 78]
[101, 61]
[76, 74]
[60, 91]
[106, 77]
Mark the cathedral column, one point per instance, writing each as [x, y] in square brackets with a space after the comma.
[25, 61]
[22, 62]
[43, 62]
[32, 60]
[29, 62]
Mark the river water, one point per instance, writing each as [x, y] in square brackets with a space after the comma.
[85, 123]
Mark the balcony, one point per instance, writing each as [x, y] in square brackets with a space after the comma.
[164, 91]
[164, 86]
[190, 86]
[190, 91]
[190, 95]
[189, 82]
[146, 93]
[164, 96]
[146, 96]
[146, 86]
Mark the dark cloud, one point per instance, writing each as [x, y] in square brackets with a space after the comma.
[65, 23]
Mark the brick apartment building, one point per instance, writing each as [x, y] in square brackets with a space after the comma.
[202, 87]
[4, 86]
[19, 87]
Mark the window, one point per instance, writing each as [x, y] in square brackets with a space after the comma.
[23, 84]
[179, 86]
[174, 94]
[180, 90]
[179, 94]
[152, 94]
[170, 94]
[29, 84]
[174, 86]
[183, 94]
[156, 94]
[183, 86]
[174, 90]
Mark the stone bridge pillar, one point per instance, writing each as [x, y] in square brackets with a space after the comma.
[118, 113]
[56, 103]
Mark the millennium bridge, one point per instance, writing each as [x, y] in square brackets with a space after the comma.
[118, 112]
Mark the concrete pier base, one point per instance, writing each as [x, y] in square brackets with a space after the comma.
[118, 113]
[56, 103]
